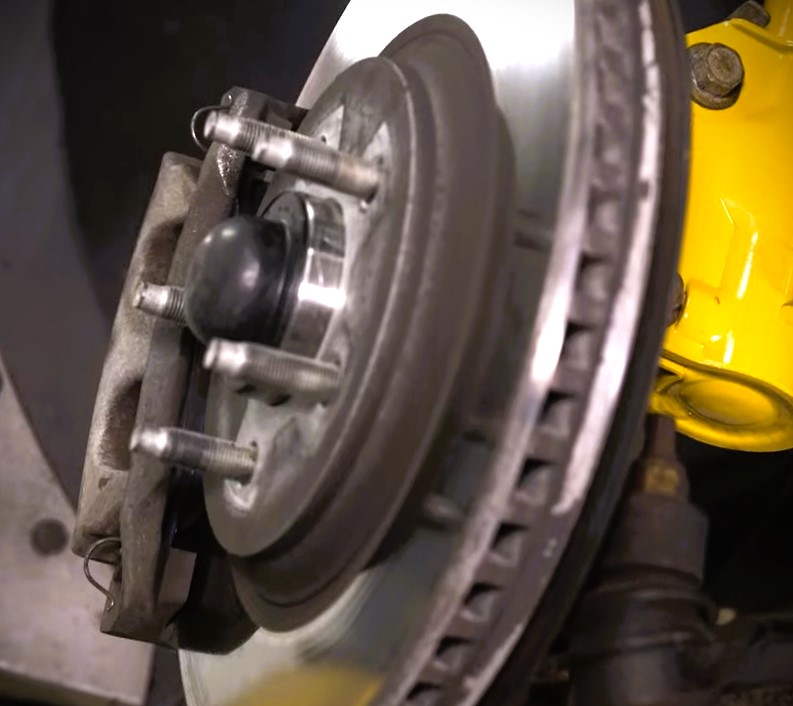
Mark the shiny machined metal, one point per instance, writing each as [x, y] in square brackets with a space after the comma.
[195, 451]
[301, 155]
[162, 301]
[320, 293]
[259, 366]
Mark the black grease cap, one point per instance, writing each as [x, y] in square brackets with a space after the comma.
[238, 281]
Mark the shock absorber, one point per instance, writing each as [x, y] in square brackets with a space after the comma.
[641, 635]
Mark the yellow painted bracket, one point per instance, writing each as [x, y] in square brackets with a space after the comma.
[727, 363]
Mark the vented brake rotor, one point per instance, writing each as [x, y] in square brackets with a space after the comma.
[485, 308]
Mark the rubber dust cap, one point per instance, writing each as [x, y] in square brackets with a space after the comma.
[237, 281]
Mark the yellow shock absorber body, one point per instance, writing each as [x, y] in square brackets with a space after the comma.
[727, 363]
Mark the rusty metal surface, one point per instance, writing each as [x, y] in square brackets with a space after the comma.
[145, 382]
[107, 458]
[50, 647]
[157, 578]
[139, 607]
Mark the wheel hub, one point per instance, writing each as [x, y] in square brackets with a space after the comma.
[330, 477]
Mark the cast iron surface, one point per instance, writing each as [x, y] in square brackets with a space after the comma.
[249, 518]
[650, 108]
[400, 349]
[619, 449]
[107, 459]
[137, 610]
[156, 581]
[521, 471]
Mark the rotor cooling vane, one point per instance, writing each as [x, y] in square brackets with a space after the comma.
[367, 370]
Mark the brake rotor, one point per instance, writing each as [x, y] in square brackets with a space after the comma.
[394, 543]
[415, 260]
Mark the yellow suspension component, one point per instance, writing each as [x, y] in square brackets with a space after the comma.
[727, 363]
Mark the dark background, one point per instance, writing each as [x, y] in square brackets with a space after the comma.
[93, 92]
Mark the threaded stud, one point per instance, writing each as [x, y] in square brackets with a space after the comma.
[161, 301]
[295, 153]
[196, 451]
[263, 366]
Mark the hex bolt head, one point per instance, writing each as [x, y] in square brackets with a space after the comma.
[753, 12]
[723, 70]
[717, 75]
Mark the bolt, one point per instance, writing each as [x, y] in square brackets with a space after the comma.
[260, 365]
[298, 154]
[753, 12]
[162, 301]
[659, 471]
[195, 451]
[717, 73]
[49, 537]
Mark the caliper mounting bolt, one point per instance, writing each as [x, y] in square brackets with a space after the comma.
[753, 12]
[716, 75]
